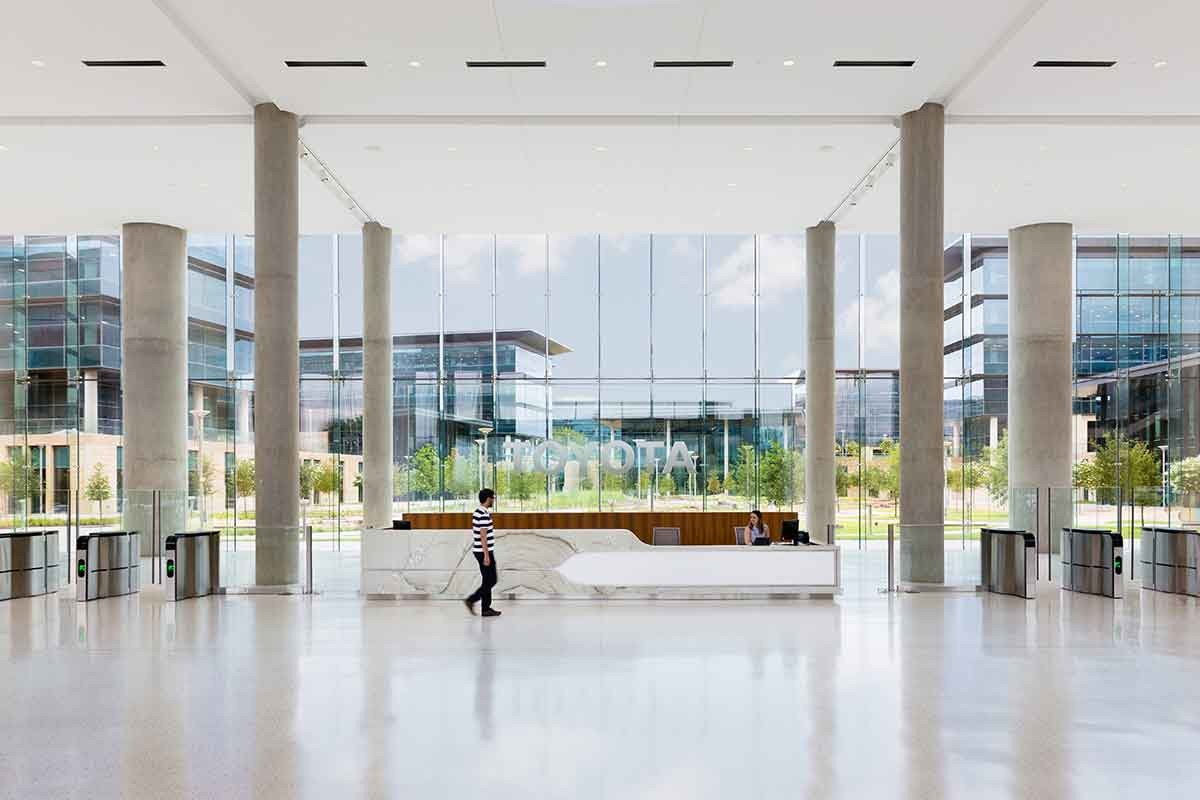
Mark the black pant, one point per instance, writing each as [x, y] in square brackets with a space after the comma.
[488, 573]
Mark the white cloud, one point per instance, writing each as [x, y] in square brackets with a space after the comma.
[880, 311]
[780, 272]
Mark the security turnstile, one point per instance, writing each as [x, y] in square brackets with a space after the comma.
[1008, 562]
[29, 564]
[107, 564]
[1092, 561]
[193, 564]
[1169, 560]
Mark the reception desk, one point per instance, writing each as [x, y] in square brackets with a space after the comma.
[581, 563]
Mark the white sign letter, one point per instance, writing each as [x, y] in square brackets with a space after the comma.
[679, 458]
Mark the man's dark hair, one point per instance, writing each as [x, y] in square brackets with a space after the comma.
[484, 494]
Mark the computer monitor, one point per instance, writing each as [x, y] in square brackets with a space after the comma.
[402, 525]
[791, 532]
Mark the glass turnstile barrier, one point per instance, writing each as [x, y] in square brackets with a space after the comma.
[1008, 562]
[1093, 561]
[30, 564]
[193, 565]
[1169, 560]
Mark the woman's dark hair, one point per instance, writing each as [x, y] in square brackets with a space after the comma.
[484, 494]
[757, 514]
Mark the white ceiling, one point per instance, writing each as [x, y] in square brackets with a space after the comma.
[579, 148]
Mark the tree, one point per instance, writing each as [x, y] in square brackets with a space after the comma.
[243, 479]
[1126, 469]
[208, 477]
[714, 484]
[18, 478]
[98, 488]
[522, 485]
[995, 470]
[853, 449]
[327, 480]
[890, 477]
[1185, 475]
[779, 477]
[742, 474]
[886, 445]
[424, 471]
[969, 475]
[308, 479]
[666, 485]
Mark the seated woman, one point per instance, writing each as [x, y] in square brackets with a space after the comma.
[755, 531]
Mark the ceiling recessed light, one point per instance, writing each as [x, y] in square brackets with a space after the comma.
[374, 148]
[204, 186]
[748, 149]
[37, 62]
[123, 62]
[1045, 148]
[1124, 185]
[602, 63]
[731, 185]
[414, 64]
[303, 64]
[451, 149]
[1074, 64]
[826, 148]
[601, 148]
[154, 147]
[3, 148]
[789, 62]
[468, 185]
[1159, 64]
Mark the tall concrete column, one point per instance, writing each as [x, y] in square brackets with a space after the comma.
[1039, 379]
[276, 346]
[154, 376]
[377, 376]
[820, 466]
[922, 219]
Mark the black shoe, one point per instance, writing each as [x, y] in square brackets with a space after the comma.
[490, 612]
[470, 604]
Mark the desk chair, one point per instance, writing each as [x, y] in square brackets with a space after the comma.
[660, 537]
[739, 534]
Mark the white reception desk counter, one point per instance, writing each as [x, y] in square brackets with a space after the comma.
[590, 563]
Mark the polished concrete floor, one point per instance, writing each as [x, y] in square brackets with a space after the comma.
[911, 696]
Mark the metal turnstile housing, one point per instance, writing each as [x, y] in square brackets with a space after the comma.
[107, 564]
[1170, 560]
[1008, 562]
[29, 564]
[1093, 561]
[193, 566]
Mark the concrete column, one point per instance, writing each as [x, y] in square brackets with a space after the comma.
[820, 465]
[922, 218]
[1039, 379]
[377, 376]
[154, 376]
[276, 346]
[91, 401]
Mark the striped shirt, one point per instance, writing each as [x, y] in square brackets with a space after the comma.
[481, 522]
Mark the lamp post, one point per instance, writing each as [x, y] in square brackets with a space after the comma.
[199, 414]
[484, 430]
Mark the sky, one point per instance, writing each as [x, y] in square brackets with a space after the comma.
[603, 296]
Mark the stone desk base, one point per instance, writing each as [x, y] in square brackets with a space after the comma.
[578, 564]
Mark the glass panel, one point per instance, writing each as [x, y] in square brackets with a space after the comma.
[678, 306]
[731, 307]
[574, 305]
[625, 306]
[782, 313]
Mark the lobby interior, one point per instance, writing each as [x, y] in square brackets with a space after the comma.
[284, 285]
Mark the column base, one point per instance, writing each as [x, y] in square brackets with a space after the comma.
[277, 556]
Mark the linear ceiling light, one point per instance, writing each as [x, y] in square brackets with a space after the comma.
[122, 62]
[902, 63]
[506, 64]
[1076, 64]
[325, 63]
[691, 64]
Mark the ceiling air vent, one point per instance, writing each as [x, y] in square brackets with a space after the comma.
[1076, 64]
[900, 64]
[123, 62]
[319, 64]
[691, 64]
[506, 64]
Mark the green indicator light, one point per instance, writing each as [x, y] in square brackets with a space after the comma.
[170, 568]
[1117, 564]
[82, 568]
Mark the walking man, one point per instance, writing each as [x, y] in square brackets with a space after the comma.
[484, 550]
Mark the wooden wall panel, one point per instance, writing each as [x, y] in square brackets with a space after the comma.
[695, 528]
